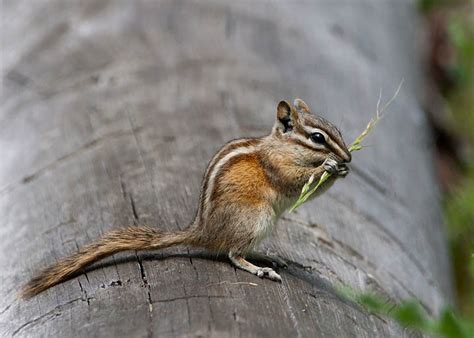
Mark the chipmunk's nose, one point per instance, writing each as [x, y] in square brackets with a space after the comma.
[347, 156]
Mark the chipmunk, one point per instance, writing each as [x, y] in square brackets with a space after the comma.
[247, 185]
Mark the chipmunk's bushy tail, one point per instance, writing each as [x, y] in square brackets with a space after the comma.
[134, 238]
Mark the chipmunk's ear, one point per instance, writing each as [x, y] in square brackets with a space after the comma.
[300, 105]
[287, 117]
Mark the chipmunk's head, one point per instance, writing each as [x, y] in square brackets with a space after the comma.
[308, 137]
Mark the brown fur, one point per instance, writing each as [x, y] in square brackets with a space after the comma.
[245, 185]
[242, 179]
[220, 154]
[134, 238]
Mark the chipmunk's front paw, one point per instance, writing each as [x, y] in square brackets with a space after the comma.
[332, 167]
[342, 170]
[268, 273]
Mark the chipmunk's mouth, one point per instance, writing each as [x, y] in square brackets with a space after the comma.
[348, 158]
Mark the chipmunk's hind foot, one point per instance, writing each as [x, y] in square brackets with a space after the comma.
[268, 273]
[241, 263]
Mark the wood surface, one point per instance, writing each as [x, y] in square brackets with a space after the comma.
[110, 111]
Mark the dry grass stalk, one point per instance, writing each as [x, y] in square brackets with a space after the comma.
[307, 191]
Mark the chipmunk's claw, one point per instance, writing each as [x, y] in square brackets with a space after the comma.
[268, 273]
[342, 170]
[335, 168]
[331, 166]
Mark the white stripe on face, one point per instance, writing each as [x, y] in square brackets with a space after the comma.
[329, 140]
[311, 130]
[307, 141]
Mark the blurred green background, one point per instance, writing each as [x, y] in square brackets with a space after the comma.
[451, 36]
[449, 103]
[452, 68]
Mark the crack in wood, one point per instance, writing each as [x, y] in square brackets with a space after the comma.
[145, 280]
[378, 186]
[319, 295]
[339, 250]
[128, 197]
[6, 308]
[122, 187]
[77, 152]
[192, 264]
[134, 130]
[50, 315]
[116, 268]
[371, 220]
[70, 221]
[85, 297]
[136, 217]
[148, 294]
[403, 249]
[293, 318]
[188, 308]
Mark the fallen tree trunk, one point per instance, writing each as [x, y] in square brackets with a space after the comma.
[110, 112]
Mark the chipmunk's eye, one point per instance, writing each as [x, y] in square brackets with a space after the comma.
[317, 138]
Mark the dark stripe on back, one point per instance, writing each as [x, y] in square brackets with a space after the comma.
[234, 160]
[225, 150]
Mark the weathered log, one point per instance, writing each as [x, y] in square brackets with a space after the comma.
[109, 113]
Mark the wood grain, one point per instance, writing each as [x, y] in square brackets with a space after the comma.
[110, 111]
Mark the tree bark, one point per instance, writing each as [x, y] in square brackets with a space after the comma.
[110, 111]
